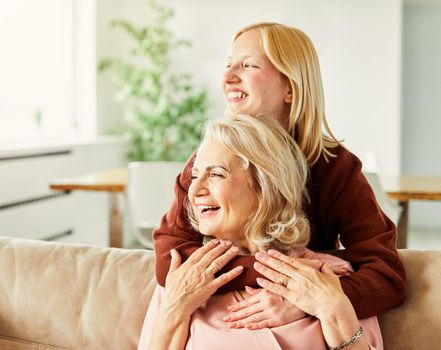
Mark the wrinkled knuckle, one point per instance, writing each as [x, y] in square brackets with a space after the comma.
[223, 278]
[217, 264]
[191, 260]
[211, 256]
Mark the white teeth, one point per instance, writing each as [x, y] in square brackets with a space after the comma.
[235, 94]
[205, 208]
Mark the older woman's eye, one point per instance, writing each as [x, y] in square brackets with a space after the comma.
[193, 177]
[216, 175]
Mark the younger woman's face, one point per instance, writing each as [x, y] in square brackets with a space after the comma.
[251, 84]
[221, 193]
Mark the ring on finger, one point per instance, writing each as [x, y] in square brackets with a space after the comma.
[283, 280]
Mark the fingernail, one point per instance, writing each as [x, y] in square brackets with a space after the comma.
[229, 308]
[226, 318]
[215, 241]
[259, 280]
[273, 252]
[257, 266]
[234, 249]
[260, 255]
[231, 325]
[228, 243]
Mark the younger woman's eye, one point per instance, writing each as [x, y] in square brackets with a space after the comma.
[193, 177]
[249, 65]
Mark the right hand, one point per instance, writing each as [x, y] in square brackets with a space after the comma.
[190, 284]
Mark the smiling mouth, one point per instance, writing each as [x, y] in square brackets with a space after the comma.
[236, 95]
[209, 209]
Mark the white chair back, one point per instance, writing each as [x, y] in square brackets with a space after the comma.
[390, 207]
[371, 168]
[149, 195]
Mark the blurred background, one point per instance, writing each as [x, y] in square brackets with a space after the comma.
[71, 100]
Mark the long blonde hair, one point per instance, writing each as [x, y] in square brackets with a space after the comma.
[278, 174]
[294, 56]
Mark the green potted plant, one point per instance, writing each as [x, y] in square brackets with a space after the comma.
[165, 111]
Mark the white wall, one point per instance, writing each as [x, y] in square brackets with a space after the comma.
[421, 142]
[358, 42]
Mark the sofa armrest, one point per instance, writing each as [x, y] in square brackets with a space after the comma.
[417, 322]
[73, 296]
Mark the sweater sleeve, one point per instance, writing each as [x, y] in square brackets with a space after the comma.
[369, 238]
[175, 232]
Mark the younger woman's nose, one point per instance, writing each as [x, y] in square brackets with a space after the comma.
[231, 75]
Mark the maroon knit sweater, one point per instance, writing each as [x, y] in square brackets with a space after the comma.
[341, 204]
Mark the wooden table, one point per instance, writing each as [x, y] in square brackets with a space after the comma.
[409, 188]
[111, 181]
[400, 188]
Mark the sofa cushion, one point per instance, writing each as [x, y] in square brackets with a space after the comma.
[73, 296]
[7, 343]
[416, 324]
[55, 296]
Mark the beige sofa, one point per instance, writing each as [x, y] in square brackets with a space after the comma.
[59, 296]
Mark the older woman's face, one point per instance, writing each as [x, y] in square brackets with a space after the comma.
[221, 193]
[251, 84]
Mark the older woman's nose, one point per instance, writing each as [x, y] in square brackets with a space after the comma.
[198, 188]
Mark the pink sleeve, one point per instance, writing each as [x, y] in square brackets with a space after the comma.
[150, 317]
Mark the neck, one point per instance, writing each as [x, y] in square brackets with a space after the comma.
[246, 247]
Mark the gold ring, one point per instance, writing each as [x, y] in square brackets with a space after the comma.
[283, 280]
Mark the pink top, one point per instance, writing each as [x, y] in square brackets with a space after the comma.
[208, 330]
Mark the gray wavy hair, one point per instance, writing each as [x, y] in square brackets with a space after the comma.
[278, 173]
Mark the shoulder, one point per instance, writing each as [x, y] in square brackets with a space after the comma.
[342, 161]
[330, 177]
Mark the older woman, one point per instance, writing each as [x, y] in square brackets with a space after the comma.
[241, 199]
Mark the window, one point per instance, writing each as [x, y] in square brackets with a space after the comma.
[37, 70]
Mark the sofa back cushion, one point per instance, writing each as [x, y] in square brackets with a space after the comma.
[55, 295]
[63, 296]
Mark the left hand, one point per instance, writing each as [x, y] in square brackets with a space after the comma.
[316, 292]
[263, 309]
